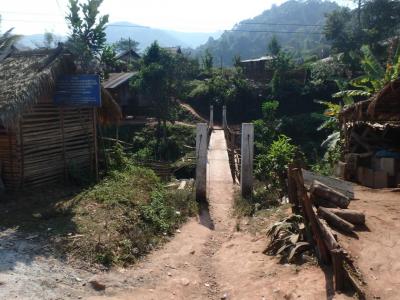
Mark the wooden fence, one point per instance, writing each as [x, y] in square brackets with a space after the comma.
[328, 249]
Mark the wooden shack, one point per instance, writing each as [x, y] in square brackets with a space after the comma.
[371, 131]
[40, 143]
[130, 102]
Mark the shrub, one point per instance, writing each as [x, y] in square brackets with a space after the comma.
[272, 165]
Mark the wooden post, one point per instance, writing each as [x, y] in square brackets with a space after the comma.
[96, 158]
[292, 191]
[247, 152]
[338, 272]
[309, 215]
[64, 155]
[224, 121]
[21, 144]
[211, 116]
[201, 161]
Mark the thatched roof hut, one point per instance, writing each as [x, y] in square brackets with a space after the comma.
[40, 141]
[371, 130]
[381, 108]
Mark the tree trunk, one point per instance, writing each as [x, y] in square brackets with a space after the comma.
[319, 189]
[334, 220]
[352, 216]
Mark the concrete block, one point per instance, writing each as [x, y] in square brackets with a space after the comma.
[398, 180]
[375, 163]
[367, 178]
[340, 169]
[388, 164]
[381, 179]
[360, 174]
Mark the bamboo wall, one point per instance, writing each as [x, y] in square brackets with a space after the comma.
[48, 141]
[9, 159]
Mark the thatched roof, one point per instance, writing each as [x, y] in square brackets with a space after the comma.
[27, 76]
[381, 108]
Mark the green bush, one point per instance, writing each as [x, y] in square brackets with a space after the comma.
[272, 165]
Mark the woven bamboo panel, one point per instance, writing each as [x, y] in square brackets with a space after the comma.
[48, 140]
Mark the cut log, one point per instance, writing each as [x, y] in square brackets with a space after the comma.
[334, 220]
[327, 235]
[352, 216]
[321, 190]
[318, 201]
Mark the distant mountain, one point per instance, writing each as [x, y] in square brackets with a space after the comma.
[304, 40]
[144, 35]
[166, 38]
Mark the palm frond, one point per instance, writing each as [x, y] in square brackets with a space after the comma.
[351, 93]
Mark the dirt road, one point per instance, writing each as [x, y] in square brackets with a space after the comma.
[210, 259]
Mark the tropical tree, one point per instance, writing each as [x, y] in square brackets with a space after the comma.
[207, 61]
[155, 81]
[126, 44]
[274, 48]
[87, 38]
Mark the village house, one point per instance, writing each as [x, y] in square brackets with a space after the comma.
[371, 131]
[128, 61]
[131, 103]
[256, 69]
[41, 142]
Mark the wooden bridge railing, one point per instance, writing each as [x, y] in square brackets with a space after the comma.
[233, 142]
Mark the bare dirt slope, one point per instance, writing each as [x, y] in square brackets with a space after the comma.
[209, 259]
[376, 249]
[29, 270]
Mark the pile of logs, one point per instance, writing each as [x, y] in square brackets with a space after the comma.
[324, 210]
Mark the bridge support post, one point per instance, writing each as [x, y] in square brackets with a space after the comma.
[224, 121]
[211, 116]
[201, 161]
[247, 153]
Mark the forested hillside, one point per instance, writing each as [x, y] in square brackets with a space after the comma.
[250, 40]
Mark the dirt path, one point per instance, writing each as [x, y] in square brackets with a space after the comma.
[209, 259]
[192, 111]
[376, 247]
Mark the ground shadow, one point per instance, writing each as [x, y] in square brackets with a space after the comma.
[362, 228]
[204, 215]
[30, 221]
[330, 286]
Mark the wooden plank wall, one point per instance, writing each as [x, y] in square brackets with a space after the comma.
[9, 158]
[51, 139]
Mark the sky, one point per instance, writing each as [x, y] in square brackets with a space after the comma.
[37, 16]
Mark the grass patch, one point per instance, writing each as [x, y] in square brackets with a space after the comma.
[263, 197]
[125, 216]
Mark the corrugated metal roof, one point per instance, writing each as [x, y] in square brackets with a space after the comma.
[116, 79]
[258, 59]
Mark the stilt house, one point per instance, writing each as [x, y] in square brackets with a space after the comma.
[371, 131]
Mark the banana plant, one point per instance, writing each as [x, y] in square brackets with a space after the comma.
[375, 76]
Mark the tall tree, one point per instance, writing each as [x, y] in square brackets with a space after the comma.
[126, 44]
[274, 47]
[87, 38]
[155, 82]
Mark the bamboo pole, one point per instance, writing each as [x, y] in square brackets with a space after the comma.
[96, 158]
